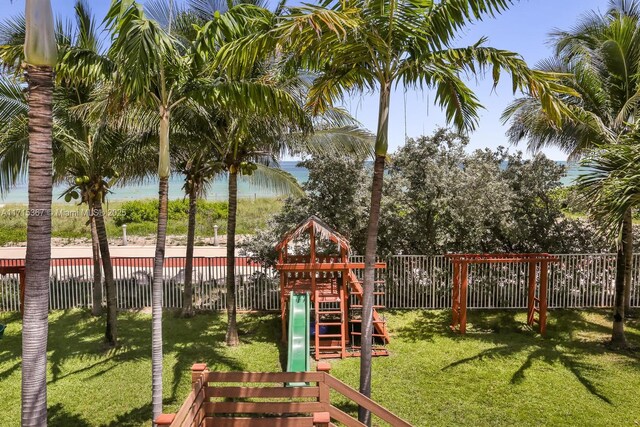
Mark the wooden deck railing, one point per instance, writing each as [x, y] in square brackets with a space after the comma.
[281, 399]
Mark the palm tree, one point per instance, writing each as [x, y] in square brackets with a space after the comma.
[199, 167]
[168, 75]
[40, 56]
[612, 190]
[104, 158]
[600, 58]
[151, 70]
[247, 148]
[374, 46]
[87, 153]
[254, 143]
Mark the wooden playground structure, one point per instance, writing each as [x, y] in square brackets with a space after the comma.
[335, 290]
[537, 281]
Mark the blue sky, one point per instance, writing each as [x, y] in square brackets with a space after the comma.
[523, 29]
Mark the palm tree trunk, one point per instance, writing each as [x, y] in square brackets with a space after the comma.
[111, 331]
[36, 299]
[618, 338]
[628, 261]
[158, 263]
[187, 298]
[96, 308]
[370, 250]
[232, 327]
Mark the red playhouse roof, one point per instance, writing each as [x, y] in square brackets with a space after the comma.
[320, 228]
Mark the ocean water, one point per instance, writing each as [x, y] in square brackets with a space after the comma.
[149, 189]
[218, 191]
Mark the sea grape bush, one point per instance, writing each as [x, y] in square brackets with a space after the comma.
[439, 198]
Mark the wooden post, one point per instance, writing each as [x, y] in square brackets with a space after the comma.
[345, 305]
[463, 297]
[343, 321]
[199, 373]
[316, 304]
[321, 419]
[283, 306]
[544, 272]
[531, 302]
[455, 296]
[283, 295]
[196, 371]
[165, 420]
[323, 388]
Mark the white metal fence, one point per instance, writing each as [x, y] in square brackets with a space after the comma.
[409, 282]
[576, 281]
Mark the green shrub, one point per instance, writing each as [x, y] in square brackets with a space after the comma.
[141, 211]
[213, 210]
[136, 211]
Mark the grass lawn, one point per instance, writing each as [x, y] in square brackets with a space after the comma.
[499, 374]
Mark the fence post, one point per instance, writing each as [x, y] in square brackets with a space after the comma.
[196, 372]
[215, 235]
[198, 378]
[124, 234]
[165, 420]
[324, 397]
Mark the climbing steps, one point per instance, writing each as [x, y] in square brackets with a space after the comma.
[338, 320]
[330, 327]
[379, 324]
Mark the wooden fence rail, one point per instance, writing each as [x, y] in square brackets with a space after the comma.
[409, 282]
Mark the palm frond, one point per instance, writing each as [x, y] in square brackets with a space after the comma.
[347, 140]
[13, 102]
[278, 180]
[612, 185]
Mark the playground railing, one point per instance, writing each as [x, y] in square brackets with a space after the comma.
[409, 282]
[244, 398]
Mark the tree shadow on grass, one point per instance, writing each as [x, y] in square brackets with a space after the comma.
[10, 345]
[57, 416]
[348, 407]
[264, 327]
[73, 333]
[564, 344]
[425, 327]
[198, 339]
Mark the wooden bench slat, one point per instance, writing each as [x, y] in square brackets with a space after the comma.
[259, 422]
[263, 377]
[264, 392]
[263, 407]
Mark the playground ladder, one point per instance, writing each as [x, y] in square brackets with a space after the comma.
[380, 325]
[327, 314]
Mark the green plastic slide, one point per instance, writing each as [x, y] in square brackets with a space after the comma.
[298, 344]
